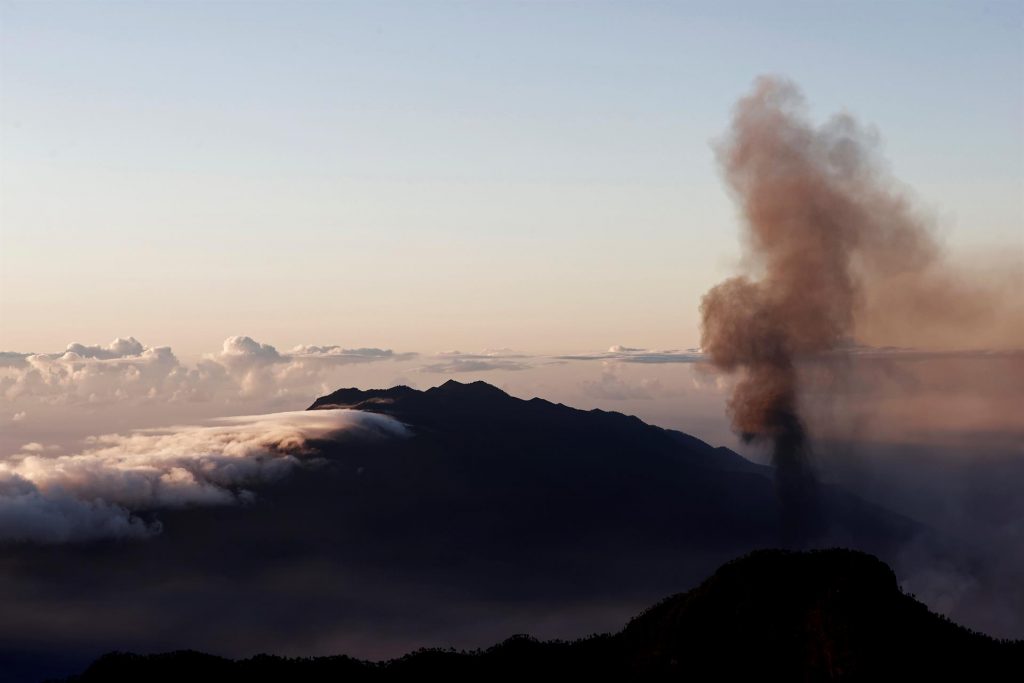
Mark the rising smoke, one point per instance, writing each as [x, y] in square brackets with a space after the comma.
[835, 252]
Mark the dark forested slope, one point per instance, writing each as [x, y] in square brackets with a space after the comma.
[828, 615]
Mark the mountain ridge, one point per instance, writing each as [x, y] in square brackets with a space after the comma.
[475, 398]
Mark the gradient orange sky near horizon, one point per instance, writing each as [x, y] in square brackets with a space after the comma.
[532, 176]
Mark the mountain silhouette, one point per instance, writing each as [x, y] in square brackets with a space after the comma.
[557, 466]
[495, 515]
[827, 615]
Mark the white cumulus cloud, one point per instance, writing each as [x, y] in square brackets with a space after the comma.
[128, 370]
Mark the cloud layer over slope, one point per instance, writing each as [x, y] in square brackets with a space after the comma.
[97, 492]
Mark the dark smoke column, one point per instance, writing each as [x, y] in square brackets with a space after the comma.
[818, 220]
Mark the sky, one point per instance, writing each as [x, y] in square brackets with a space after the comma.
[437, 176]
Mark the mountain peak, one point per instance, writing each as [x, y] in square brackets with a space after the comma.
[820, 615]
[478, 389]
[360, 399]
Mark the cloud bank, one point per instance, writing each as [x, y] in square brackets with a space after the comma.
[628, 354]
[452, 362]
[128, 370]
[98, 492]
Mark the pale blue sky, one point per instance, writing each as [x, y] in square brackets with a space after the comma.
[436, 175]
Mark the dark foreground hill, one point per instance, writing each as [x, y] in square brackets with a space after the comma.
[495, 515]
[830, 615]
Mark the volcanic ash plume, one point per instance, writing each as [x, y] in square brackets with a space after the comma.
[825, 233]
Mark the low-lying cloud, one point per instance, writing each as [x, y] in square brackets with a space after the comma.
[451, 362]
[97, 492]
[342, 355]
[628, 354]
